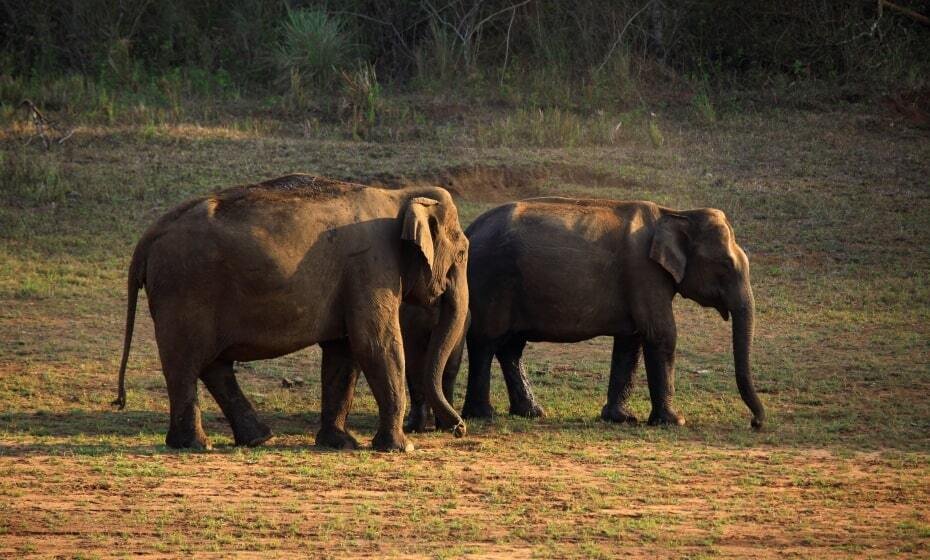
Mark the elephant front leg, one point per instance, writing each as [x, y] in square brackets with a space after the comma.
[623, 362]
[378, 348]
[386, 382]
[339, 375]
[660, 371]
[220, 380]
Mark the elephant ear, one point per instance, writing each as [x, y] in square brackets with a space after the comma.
[668, 245]
[417, 228]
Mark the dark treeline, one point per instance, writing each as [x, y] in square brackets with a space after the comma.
[253, 44]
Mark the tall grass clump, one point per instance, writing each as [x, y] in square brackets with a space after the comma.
[655, 133]
[703, 107]
[438, 61]
[30, 179]
[550, 128]
[613, 83]
[316, 47]
[361, 98]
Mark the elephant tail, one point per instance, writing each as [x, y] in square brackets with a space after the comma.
[134, 283]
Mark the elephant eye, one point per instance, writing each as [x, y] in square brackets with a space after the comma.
[460, 257]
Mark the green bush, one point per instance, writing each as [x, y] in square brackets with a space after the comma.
[704, 107]
[438, 63]
[315, 49]
[584, 55]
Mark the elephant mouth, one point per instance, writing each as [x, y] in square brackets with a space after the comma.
[434, 295]
[437, 289]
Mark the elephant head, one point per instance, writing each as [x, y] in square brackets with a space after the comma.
[699, 250]
[435, 274]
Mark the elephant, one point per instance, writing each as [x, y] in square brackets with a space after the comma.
[417, 324]
[565, 270]
[260, 271]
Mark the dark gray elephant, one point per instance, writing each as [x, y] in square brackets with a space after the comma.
[264, 270]
[566, 270]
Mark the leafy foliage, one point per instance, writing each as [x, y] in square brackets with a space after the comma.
[435, 41]
[316, 46]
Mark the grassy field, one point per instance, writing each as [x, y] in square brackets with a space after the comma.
[833, 208]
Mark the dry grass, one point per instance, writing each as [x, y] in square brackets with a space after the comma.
[834, 210]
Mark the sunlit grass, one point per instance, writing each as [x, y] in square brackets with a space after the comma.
[839, 268]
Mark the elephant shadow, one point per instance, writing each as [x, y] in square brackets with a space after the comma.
[106, 432]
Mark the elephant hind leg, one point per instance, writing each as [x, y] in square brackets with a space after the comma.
[185, 347]
[522, 400]
[623, 363]
[340, 374]
[478, 391]
[184, 430]
[220, 380]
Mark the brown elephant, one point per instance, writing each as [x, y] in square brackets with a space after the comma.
[260, 271]
[417, 324]
[566, 270]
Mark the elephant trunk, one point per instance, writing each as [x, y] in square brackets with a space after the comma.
[743, 316]
[445, 338]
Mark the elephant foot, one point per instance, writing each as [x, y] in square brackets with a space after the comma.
[417, 421]
[253, 436]
[336, 439]
[666, 417]
[390, 441]
[482, 410]
[527, 409]
[187, 439]
[618, 415]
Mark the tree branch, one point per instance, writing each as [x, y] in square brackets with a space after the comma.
[906, 11]
[620, 36]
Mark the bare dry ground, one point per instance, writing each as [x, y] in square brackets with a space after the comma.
[832, 207]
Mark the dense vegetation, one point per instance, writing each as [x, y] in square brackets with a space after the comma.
[589, 55]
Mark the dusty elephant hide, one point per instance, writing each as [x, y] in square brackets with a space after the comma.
[565, 270]
[259, 271]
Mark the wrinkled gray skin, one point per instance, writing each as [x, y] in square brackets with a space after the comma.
[416, 325]
[566, 270]
[260, 271]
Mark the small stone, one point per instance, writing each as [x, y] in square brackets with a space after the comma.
[298, 381]
[286, 382]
